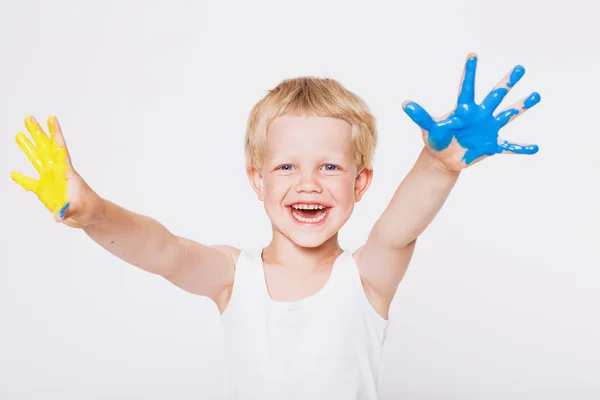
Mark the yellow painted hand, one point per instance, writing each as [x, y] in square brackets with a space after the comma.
[50, 158]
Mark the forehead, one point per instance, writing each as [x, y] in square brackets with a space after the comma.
[319, 136]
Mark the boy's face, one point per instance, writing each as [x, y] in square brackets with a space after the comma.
[309, 180]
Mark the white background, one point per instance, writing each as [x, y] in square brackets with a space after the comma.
[501, 299]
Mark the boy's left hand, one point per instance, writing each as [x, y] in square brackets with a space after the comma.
[469, 133]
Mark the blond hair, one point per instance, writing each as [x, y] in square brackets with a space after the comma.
[311, 96]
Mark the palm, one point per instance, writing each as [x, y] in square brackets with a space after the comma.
[57, 181]
[470, 132]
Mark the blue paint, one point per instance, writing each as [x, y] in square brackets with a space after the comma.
[532, 100]
[493, 99]
[518, 149]
[505, 116]
[474, 126]
[515, 76]
[467, 91]
[61, 213]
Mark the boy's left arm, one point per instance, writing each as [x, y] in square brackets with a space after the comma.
[456, 141]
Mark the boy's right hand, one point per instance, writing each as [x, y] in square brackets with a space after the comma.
[59, 187]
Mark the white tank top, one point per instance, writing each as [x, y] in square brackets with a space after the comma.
[325, 346]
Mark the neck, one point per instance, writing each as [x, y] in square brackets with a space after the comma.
[284, 251]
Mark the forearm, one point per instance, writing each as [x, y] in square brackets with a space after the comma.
[137, 239]
[416, 202]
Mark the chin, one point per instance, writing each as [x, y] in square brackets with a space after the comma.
[308, 240]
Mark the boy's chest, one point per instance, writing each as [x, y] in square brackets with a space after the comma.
[288, 285]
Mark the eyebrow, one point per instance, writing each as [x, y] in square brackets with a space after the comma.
[331, 159]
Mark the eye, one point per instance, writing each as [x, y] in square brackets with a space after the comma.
[331, 167]
[285, 167]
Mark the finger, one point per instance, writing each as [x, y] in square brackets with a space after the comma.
[518, 148]
[42, 141]
[506, 116]
[495, 97]
[418, 115]
[27, 183]
[56, 132]
[57, 136]
[467, 84]
[30, 151]
[517, 109]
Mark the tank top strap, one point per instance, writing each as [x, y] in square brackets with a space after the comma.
[248, 283]
[348, 274]
[346, 269]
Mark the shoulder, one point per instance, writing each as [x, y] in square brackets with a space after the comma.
[232, 252]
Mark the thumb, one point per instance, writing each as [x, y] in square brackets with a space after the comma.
[66, 216]
[63, 213]
[418, 115]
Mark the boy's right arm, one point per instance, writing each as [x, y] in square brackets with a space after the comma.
[139, 240]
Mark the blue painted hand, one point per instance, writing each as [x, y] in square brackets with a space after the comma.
[469, 133]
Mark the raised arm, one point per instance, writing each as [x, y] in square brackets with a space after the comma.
[137, 239]
[465, 136]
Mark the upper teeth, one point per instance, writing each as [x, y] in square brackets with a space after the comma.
[308, 206]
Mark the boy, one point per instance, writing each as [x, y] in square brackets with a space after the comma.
[304, 318]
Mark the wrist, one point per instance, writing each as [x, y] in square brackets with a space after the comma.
[95, 209]
[434, 163]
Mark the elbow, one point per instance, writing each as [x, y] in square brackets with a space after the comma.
[174, 257]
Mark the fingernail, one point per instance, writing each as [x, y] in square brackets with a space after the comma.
[516, 75]
[532, 100]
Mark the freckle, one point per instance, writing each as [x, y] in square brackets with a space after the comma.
[112, 241]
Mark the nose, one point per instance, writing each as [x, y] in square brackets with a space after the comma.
[308, 182]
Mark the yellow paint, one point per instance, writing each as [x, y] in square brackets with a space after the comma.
[49, 159]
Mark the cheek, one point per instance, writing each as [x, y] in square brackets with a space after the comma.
[342, 191]
[274, 191]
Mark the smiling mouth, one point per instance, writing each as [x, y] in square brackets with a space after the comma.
[309, 213]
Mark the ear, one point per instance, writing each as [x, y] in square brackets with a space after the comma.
[362, 183]
[256, 180]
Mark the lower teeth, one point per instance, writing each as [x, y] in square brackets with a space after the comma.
[312, 220]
